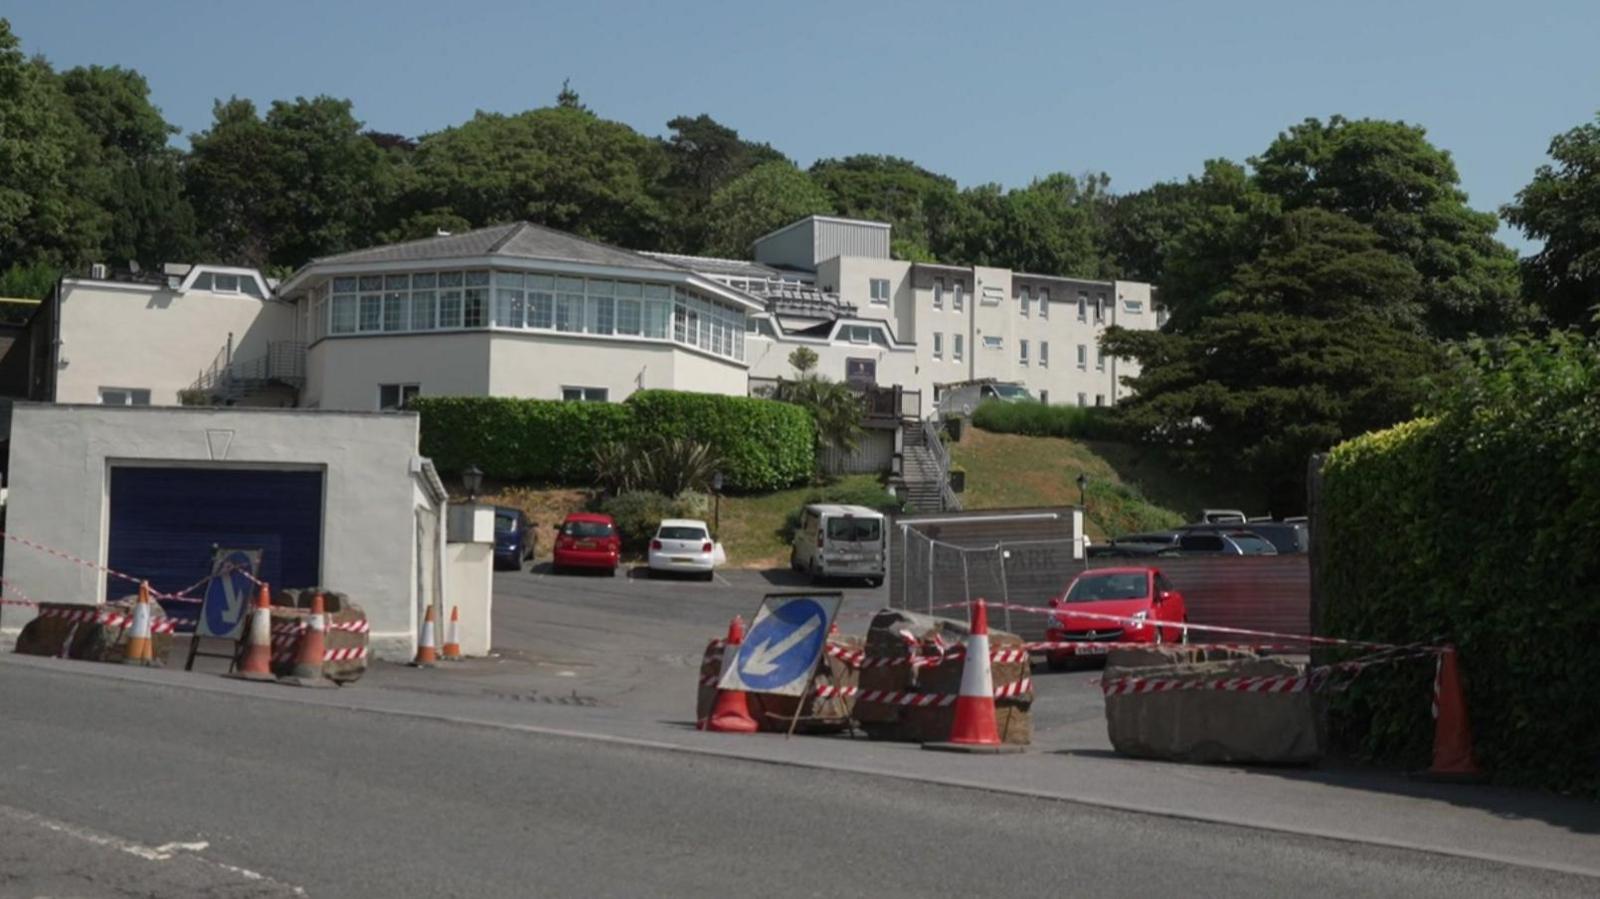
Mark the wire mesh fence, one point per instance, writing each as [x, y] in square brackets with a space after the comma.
[929, 573]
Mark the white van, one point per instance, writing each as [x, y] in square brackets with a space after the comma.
[841, 541]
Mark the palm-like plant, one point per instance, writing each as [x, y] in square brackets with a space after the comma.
[836, 407]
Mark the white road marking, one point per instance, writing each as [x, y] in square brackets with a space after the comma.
[725, 581]
[162, 853]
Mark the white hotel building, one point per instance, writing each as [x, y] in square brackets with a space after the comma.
[526, 311]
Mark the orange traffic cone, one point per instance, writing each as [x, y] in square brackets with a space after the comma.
[974, 729]
[452, 636]
[731, 714]
[140, 651]
[256, 663]
[427, 650]
[307, 670]
[1452, 731]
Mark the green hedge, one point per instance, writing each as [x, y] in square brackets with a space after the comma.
[1480, 526]
[1040, 420]
[519, 440]
[764, 444]
[638, 513]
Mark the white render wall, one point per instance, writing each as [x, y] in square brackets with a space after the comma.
[148, 337]
[344, 372]
[62, 455]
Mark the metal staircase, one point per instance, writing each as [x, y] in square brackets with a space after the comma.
[278, 373]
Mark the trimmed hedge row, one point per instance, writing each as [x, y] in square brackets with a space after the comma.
[765, 445]
[1480, 526]
[1040, 420]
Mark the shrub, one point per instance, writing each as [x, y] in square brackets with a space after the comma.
[1480, 526]
[870, 495]
[764, 444]
[667, 465]
[639, 512]
[1040, 420]
[519, 439]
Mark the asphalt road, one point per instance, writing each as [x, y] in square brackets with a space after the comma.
[114, 788]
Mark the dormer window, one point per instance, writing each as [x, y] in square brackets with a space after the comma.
[228, 282]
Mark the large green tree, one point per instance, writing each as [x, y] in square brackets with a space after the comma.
[1561, 208]
[887, 189]
[278, 190]
[48, 181]
[767, 197]
[562, 166]
[703, 155]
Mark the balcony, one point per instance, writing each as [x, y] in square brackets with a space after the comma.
[229, 381]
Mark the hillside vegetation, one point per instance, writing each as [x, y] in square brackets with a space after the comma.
[1130, 488]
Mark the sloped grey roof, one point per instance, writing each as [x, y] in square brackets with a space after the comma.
[712, 265]
[522, 240]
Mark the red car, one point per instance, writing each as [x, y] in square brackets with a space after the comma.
[1139, 593]
[587, 540]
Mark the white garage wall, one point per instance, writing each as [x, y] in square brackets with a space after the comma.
[61, 456]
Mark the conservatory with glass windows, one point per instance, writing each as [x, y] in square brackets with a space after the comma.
[512, 310]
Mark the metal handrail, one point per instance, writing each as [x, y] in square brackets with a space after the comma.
[941, 458]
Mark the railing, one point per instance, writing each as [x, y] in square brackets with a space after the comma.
[878, 403]
[228, 377]
[941, 458]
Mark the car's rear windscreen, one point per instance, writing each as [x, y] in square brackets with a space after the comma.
[855, 530]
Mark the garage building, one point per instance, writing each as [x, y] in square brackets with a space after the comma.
[333, 499]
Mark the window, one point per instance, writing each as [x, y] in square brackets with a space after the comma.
[1100, 359]
[880, 290]
[124, 396]
[1083, 399]
[475, 301]
[1044, 397]
[541, 302]
[1083, 306]
[1022, 352]
[994, 343]
[569, 304]
[1044, 354]
[958, 300]
[938, 293]
[450, 299]
[1044, 303]
[508, 300]
[393, 397]
[1099, 399]
[585, 394]
[602, 307]
[1133, 307]
[955, 348]
[1099, 308]
[221, 283]
[938, 345]
[630, 309]
[1083, 357]
[1026, 296]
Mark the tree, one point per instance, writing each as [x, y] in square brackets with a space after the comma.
[803, 360]
[48, 180]
[303, 181]
[886, 189]
[1049, 227]
[767, 197]
[1260, 392]
[563, 167]
[703, 155]
[139, 183]
[1387, 176]
[1561, 208]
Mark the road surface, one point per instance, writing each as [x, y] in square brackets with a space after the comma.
[113, 788]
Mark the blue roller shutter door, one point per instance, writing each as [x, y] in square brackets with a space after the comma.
[164, 522]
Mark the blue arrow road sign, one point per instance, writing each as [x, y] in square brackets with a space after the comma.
[228, 595]
[783, 645]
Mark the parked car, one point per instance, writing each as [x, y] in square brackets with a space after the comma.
[840, 541]
[514, 537]
[1141, 593]
[683, 546]
[962, 398]
[1285, 536]
[1224, 543]
[1222, 516]
[587, 540]
[1146, 544]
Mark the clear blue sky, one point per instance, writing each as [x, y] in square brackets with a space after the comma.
[989, 91]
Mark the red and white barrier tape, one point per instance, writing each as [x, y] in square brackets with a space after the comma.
[361, 626]
[1272, 684]
[343, 654]
[108, 617]
[918, 700]
[122, 575]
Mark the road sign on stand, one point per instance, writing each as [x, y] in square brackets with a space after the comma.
[780, 652]
[230, 595]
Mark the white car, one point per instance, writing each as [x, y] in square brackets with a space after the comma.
[683, 546]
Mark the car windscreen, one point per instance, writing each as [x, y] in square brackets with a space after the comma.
[1008, 392]
[1097, 587]
[1251, 545]
[588, 529]
[504, 523]
[677, 532]
[855, 530]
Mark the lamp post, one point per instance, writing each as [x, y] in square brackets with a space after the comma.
[1083, 491]
[472, 480]
[716, 515]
